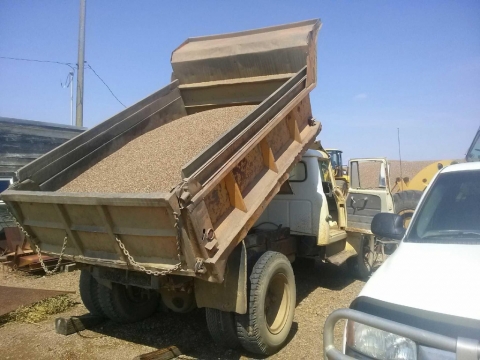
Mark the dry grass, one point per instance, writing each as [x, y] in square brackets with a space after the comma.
[39, 311]
[153, 161]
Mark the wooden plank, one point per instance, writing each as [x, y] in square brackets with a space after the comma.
[72, 236]
[268, 158]
[236, 198]
[150, 199]
[168, 113]
[74, 324]
[168, 353]
[129, 115]
[102, 211]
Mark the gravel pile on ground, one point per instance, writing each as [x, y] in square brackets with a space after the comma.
[152, 162]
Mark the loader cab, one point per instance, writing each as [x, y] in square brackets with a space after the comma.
[336, 160]
[473, 153]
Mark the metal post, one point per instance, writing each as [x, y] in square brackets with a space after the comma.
[400, 157]
[81, 60]
[71, 99]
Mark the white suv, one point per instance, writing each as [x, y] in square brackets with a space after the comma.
[424, 301]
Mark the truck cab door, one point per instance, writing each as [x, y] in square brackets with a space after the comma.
[368, 193]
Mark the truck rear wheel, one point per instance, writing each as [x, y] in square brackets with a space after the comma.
[405, 203]
[127, 304]
[89, 293]
[222, 327]
[271, 307]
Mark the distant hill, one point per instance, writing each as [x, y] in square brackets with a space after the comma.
[369, 171]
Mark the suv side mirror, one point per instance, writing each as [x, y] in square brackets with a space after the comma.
[388, 225]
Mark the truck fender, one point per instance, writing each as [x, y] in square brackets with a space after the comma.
[231, 294]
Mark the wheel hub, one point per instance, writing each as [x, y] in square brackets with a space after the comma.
[277, 303]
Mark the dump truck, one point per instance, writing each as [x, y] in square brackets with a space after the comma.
[223, 238]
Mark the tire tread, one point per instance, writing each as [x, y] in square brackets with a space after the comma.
[248, 324]
[88, 287]
[222, 328]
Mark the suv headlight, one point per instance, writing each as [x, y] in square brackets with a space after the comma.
[379, 344]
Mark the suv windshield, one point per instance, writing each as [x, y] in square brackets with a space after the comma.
[451, 210]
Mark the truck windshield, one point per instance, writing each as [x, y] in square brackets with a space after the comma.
[451, 211]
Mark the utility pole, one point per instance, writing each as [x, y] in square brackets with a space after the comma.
[71, 98]
[81, 61]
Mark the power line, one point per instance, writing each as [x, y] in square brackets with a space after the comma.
[108, 87]
[40, 61]
[66, 64]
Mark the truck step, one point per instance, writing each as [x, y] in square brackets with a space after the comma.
[341, 257]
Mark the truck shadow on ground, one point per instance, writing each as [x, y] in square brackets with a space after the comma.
[310, 275]
[188, 332]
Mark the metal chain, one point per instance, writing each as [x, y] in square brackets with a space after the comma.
[37, 248]
[178, 266]
[44, 267]
[132, 261]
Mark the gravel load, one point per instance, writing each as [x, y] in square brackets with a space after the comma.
[153, 162]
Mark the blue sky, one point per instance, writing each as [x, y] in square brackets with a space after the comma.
[381, 64]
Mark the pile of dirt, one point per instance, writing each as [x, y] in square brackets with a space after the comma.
[153, 162]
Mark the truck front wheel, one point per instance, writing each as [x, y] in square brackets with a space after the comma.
[271, 306]
[361, 266]
[127, 304]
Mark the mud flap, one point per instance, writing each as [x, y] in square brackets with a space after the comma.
[231, 294]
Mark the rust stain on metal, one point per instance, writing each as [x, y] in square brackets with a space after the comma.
[218, 202]
[247, 169]
[278, 137]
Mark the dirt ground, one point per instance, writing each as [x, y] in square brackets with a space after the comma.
[320, 290]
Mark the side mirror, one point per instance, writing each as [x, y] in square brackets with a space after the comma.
[388, 225]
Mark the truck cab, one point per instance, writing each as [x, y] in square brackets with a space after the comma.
[309, 203]
[325, 221]
[422, 303]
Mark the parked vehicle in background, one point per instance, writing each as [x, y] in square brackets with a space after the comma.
[423, 303]
[21, 142]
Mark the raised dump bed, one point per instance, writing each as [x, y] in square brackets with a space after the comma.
[263, 76]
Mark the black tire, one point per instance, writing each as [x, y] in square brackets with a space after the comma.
[360, 266]
[124, 304]
[405, 203]
[265, 327]
[223, 328]
[89, 293]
